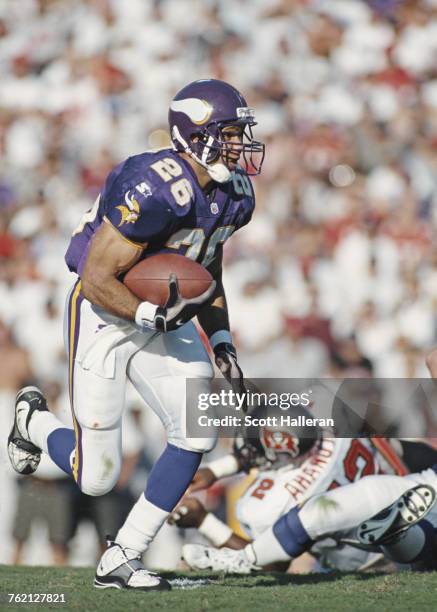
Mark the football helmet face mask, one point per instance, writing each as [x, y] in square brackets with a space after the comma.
[198, 117]
[249, 452]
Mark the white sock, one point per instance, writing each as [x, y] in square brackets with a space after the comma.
[142, 524]
[266, 549]
[41, 425]
[408, 547]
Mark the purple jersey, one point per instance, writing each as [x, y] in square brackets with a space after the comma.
[154, 200]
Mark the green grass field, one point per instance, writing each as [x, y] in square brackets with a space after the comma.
[339, 592]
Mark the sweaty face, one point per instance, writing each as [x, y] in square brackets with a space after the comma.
[231, 144]
[232, 138]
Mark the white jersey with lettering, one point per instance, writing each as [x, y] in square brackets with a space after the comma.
[335, 462]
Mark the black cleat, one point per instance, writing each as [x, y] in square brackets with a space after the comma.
[23, 454]
[387, 525]
[122, 568]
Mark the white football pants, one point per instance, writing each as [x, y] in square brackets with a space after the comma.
[338, 511]
[104, 351]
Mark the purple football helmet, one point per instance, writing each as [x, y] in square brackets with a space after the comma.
[197, 115]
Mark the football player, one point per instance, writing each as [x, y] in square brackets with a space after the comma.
[187, 199]
[381, 511]
[395, 514]
[295, 464]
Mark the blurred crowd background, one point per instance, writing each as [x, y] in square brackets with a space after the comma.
[336, 274]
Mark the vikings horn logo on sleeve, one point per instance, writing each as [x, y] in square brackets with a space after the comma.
[130, 212]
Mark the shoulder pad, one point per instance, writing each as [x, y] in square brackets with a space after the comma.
[174, 181]
[241, 185]
[138, 208]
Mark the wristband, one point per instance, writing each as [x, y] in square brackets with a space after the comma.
[217, 532]
[219, 337]
[225, 466]
[145, 315]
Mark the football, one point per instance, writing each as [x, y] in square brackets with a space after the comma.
[148, 279]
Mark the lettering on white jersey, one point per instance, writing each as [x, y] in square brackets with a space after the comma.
[311, 469]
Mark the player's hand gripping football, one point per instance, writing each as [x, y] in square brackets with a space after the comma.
[189, 513]
[226, 361]
[177, 310]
